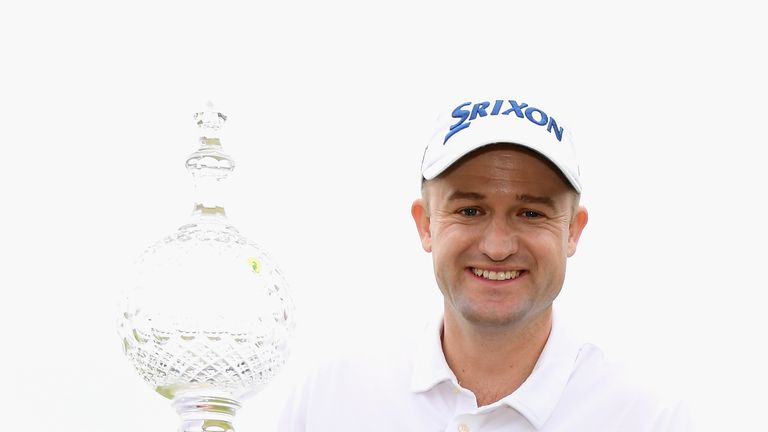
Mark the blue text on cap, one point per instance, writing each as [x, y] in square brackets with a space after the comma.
[521, 110]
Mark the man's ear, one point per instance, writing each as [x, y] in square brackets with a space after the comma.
[421, 217]
[578, 222]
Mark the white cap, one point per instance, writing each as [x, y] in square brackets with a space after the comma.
[471, 124]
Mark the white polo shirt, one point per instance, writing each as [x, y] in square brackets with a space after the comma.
[572, 389]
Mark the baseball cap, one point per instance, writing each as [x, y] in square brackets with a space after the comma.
[473, 123]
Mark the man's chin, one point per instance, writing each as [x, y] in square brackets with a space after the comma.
[491, 319]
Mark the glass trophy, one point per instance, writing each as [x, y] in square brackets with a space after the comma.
[208, 321]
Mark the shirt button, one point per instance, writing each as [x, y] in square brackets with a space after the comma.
[463, 428]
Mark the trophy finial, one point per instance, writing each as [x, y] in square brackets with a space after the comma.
[210, 160]
[209, 120]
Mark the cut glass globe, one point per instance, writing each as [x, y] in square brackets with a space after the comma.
[209, 319]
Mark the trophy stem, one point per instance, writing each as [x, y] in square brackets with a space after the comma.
[205, 413]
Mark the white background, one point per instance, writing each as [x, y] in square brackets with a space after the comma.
[330, 105]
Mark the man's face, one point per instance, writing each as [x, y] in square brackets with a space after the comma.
[500, 225]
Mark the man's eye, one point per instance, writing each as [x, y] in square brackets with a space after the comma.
[531, 214]
[470, 211]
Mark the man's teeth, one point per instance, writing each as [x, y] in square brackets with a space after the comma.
[492, 275]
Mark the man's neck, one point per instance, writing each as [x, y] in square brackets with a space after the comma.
[494, 362]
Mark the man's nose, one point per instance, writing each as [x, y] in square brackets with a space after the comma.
[499, 240]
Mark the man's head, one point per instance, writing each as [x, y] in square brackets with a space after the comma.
[500, 220]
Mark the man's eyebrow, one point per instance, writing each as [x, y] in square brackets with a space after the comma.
[525, 198]
[531, 199]
[459, 195]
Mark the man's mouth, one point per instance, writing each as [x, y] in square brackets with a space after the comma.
[496, 275]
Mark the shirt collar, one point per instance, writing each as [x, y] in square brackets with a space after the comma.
[535, 399]
[430, 367]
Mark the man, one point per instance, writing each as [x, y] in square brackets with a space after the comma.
[500, 215]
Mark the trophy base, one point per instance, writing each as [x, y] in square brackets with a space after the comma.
[205, 413]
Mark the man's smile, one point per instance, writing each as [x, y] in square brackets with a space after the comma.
[498, 275]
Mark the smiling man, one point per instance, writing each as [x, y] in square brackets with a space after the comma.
[500, 224]
[500, 214]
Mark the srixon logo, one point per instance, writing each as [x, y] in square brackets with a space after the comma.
[501, 107]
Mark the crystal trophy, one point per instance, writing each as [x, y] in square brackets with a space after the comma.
[208, 321]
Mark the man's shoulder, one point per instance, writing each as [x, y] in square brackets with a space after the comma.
[363, 362]
[381, 360]
[361, 381]
[622, 394]
[616, 377]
